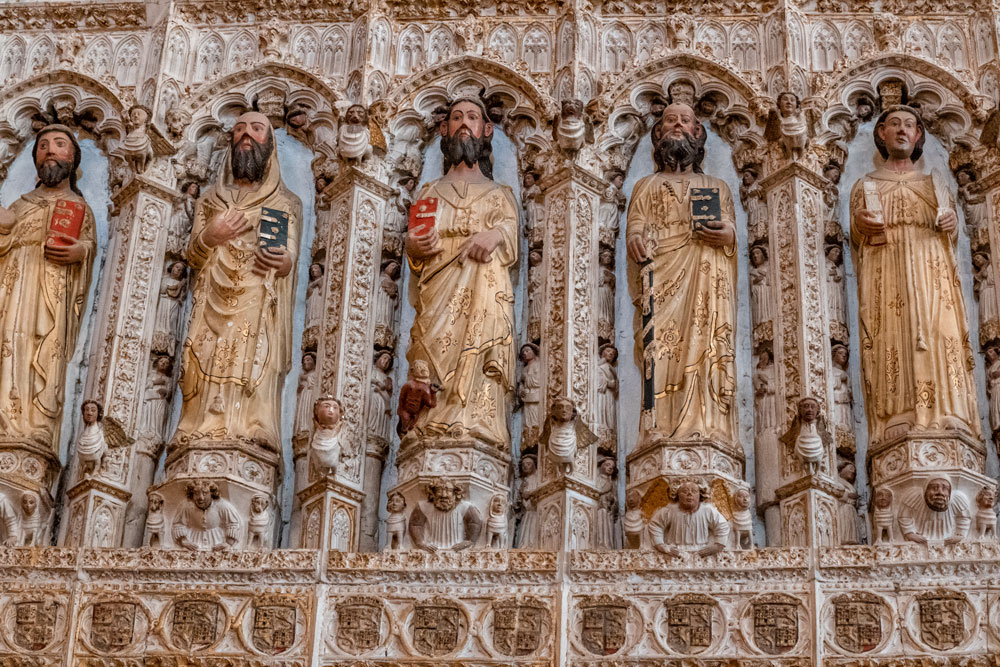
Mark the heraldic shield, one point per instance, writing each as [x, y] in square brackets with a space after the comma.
[775, 627]
[436, 629]
[359, 623]
[604, 628]
[35, 624]
[517, 629]
[112, 626]
[274, 628]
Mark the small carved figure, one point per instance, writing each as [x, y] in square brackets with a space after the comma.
[535, 279]
[326, 447]
[388, 295]
[633, 524]
[607, 393]
[379, 409]
[565, 433]
[168, 308]
[689, 522]
[10, 523]
[314, 295]
[157, 396]
[496, 523]
[764, 391]
[207, 522]
[841, 387]
[354, 136]
[835, 283]
[33, 520]
[882, 518]
[993, 383]
[305, 394]
[534, 209]
[572, 128]
[985, 288]
[259, 527]
[183, 217]
[528, 535]
[742, 521]
[530, 392]
[761, 308]
[92, 446]
[935, 515]
[847, 510]
[605, 535]
[986, 514]
[606, 298]
[789, 125]
[753, 198]
[395, 523]
[445, 520]
[611, 208]
[808, 435]
[402, 200]
[156, 524]
[137, 149]
[864, 109]
[415, 396]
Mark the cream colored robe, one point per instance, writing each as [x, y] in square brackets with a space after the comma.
[41, 307]
[464, 324]
[915, 354]
[239, 341]
[694, 311]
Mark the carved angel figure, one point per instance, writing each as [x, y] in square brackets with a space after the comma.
[789, 126]
[395, 523]
[326, 448]
[565, 433]
[97, 436]
[572, 128]
[137, 149]
[808, 435]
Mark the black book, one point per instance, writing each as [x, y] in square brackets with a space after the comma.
[705, 207]
[273, 231]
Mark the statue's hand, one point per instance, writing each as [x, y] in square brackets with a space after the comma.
[278, 259]
[711, 549]
[717, 234]
[915, 537]
[668, 550]
[224, 227]
[65, 254]
[463, 545]
[481, 246]
[948, 221]
[424, 244]
[7, 221]
[637, 249]
[221, 547]
[954, 539]
[868, 223]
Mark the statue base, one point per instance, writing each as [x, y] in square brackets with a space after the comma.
[329, 512]
[95, 516]
[808, 510]
[665, 459]
[28, 465]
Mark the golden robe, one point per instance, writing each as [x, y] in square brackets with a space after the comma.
[464, 324]
[916, 359]
[239, 341]
[41, 307]
[691, 359]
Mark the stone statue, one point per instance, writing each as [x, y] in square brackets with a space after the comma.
[847, 510]
[47, 246]
[882, 519]
[168, 308]
[91, 446]
[808, 435]
[464, 301]
[690, 362]
[207, 521]
[611, 207]
[607, 393]
[606, 296]
[10, 523]
[791, 124]
[326, 447]
[259, 526]
[415, 396]
[314, 295]
[572, 128]
[535, 285]
[985, 288]
[835, 283]
[633, 524]
[230, 392]
[761, 306]
[402, 200]
[531, 392]
[183, 217]
[754, 201]
[914, 337]
[993, 383]
[156, 397]
[444, 521]
[688, 522]
[156, 524]
[842, 415]
[565, 433]
[605, 535]
[34, 521]
[395, 523]
[387, 295]
[764, 391]
[496, 523]
[528, 535]
[742, 521]
[986, 514]
[534, 209]
[305, 394]
[137, 149]
[380, 405]
[935, 515]
[354, 136]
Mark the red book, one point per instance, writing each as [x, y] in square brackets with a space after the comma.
[422, 214]
[66, 219]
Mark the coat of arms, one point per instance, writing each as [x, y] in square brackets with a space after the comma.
[195, 624]
[942, 619]
[359, 625]
[857, 624]
[517, 629]
[775, 626]
[112, 625]
[689, 626]
[604, 628]
[274, 628]
[436, 628]
[35, 624]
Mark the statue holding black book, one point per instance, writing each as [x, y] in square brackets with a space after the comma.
[681, 234]
[243, 248]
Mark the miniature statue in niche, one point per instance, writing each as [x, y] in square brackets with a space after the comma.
[882, 519]
[535, 279]
[208, 522]
[534, 209]
[34, 521]
[761, 308]
[415, 396]
[835, 283]
[380, 405]
[808, 435]
[10, 523]
[831, 201]
[47, 246]
[402, 200]
[326, 447]
[690, 361]
[764, 391]
[986, 514]
[993, 382]
[530, 391]
[137, 148]
[753, 198]
[564, 434]
[847, 510]
[91, 446]
[914, 340]
[444, 521]
[633, 524]
[974, 203]
[985, 288]
[528, 536]
[259, 526]
[789, 125]
[183, 217]
[935, 515]
[690, 523]
[306, 392]
[842, 415]
[157, 396]
[605, 536]
[606, 298]
[314, 295]
[742, 521]
[395, 523]
[496, 523]
[388, 294]
[461, 258]
[611, 208]
[156, 524]
[572, 128]
[607, 394]
[354, 135]
[229, 392]
[168, 308]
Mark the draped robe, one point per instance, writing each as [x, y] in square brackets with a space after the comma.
[464, 323]
[239, 341]
[916, 358]
[41, 308]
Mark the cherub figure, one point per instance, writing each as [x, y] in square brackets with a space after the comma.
[986, 514]
[572, 128]
[565, 433]
[137, 149]
[415, 396]
[742, 520]
[395, 523]
[788, 125]
[808, 435]
[258, 530]
[92, 446]
[882, 516]
[326, 448]
[496, 523]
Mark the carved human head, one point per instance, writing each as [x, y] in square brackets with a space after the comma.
[606, 257]
[138, 115]
[609, 353]
[444, 494]
[689, 493]
[607, 467]
[980, 259]
[420, 371]
[534, 257]
[384, 361]
[356, 114]
[865, 108]
[177, 120]
[848, 471]
[899, 133]
[163, 364]
[315, 270]
[563, 410]
[466, 136]
[528, 465]
[832, 172]
[529, 180]
[395, 502]
[809, 409]
[749, 176]
[202, 492]
[498, 504]
[986, 498]
[529, 352]
[297, 117]
[57, 156]
[327, 411]
[937, 494]
[391, 269]
[883, 498]
[177, 270]
[764, 356]
[616, 177]
[91, 411]
[308, 361]
[834, 253]
[259, 503]
[155, 501]
[29, 503]
[965, 175]
[572, 107]
[192, 189]
[681, 92]
[992, 352]
[788, 103]
[758, 254]
[633, 500]
[839, 353]
[678, 140]
[409, 183]
[253, 144]
[741, 499]
[707, 106]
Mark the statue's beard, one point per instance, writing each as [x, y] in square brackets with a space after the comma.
[678, 154]
[250, 164]
[52, 174]
[471, 151]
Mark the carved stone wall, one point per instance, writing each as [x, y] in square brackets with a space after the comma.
[803, 596]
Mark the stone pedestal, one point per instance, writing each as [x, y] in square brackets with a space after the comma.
[329, 520]
[662, 459]
[569, 505]
[96, 514]
[809, 512]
